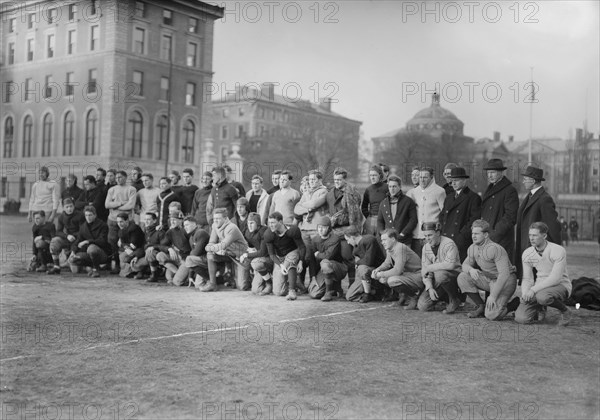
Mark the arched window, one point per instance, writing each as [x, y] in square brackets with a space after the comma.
[187, 145]
[47, 135]
[27, 134]
[161, 146]
[91, 132]
[9, 131]
[133, 142]
[68, 125]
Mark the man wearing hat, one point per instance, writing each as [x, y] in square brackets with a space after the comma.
[447, 170]
[538, 206]
[461, 209]
[499, 205]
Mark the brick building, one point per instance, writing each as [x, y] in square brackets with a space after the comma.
[89, 84]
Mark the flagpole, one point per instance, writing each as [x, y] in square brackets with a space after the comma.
[529, 157]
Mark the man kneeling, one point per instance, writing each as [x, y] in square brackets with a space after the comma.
[551, 286]
[440, 266]
[487, 268]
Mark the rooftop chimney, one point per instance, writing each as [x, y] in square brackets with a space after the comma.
[267, 91]
[496, 136]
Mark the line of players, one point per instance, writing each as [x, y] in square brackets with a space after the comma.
[322, 230]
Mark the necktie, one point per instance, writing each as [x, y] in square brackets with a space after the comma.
[526, 200]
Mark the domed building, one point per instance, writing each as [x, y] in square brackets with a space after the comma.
[435, 120]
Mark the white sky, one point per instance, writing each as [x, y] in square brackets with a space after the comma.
[375, 53]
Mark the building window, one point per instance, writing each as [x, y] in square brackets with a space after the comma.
[22, 183]
[139, 37]
[240, 131]
[48, 87]
[193, 25]
[52, 15]
[47, 135]
[71, 41]
[69, 87]
[50, 43]
[138, 82]
[167, 43]
[167, 17]
[11, 53]
[192, 49]
[224, 132]
[94, 37]
[140, 9]
[595, 171]
[225, 113]
[12, 25]
[4, 187]
[241, 112]
[92, 7]
[68, 125]
[91, 130]
[8, 90]
[30, 47]
[72, 12]
[187, 148]
[30, 20]
[133, 142]
[92, 80]
[29, 92]
[164, 88]
[9, 132]
[27, 135]
[162, 127]
[190, 94]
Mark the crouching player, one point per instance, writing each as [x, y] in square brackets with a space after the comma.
[69, 222]
[368, 255]
[286, 249]
[401, 270]
[330, 263]
[91, 247]
[440, 266]
[551, 286]
[172, 251]
[42, 235]
[487, 268]
[226, 243]
[153, 236]
[195, 263]
[130, 243]
[257, 256]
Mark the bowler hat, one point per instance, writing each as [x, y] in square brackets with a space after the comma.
[458, 172]
[535, 173]
[495, 165]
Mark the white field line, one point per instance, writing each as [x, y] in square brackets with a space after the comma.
[190, 333]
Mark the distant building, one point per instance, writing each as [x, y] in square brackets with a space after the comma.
[273, 132]
[87, 84]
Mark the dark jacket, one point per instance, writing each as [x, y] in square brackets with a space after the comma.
[96, 233]
[499, 206]
[178, 239]
[198, 240]
[163, 200]
[457, 216]
[186, 196]
[539, 208]
[45, 230]
[241, 224]
[94, 197]
[369, 252]
[329, 248]
[448, 188]
[256, 240]
[224, 195]
[404, 221]
[153, 237]
[199, 205]
[372, 198]
[138, 184]
[69, 224]
[133, 234]
[71, 192]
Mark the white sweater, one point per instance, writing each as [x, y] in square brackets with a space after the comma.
[430, 202]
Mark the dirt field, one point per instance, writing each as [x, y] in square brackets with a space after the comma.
[111, 348]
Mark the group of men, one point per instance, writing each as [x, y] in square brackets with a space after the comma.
[428, 245]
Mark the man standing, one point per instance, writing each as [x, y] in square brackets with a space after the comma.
[574, 228]
[91, 247]
[136, 178]
[447, 172]
[550, 286]
[368, 255]
[146, 197]
[93, 195]
[461, 209]
[397, 212]
[429, 198]
[284, 200]
[499, 206]
[165, 197]
[538, 206]
[415, 173]
[440, 266]
[222, 195]
[237, 185]
[401, 270]
[257, 198]
[373, 196]
[111, 179]
[487, 268]
[72, 191]
[120, 198]
[275, 181]
[201, 200]
[186, 191]
[44, 196]
[564, 232]
[287, 251]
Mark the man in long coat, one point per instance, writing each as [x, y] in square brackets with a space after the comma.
[538, 206]
[499, 206]
[460, 210]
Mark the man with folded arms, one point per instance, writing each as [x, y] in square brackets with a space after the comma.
[440, 266]
[551, 286]
[401, 270]
[487, 268]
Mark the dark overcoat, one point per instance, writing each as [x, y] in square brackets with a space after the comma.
[404, 221]
[499, 206]
[458, 215]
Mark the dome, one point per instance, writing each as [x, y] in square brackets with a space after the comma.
[435, 119]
